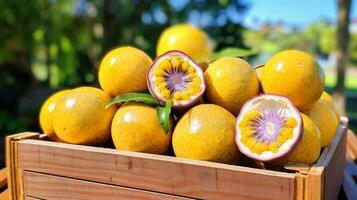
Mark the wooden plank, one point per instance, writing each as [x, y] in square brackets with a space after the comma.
[333, 160]
[14, 187]
[31, 198]
[184, 177]
[49, 187]
[324, 178]
[4, 195]
[352, 145]
[300, 186]
[3, 177]
[314, 183]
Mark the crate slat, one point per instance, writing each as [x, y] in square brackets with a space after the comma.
[13, 172]
[51, 187]
[31, 161]
[184, 177]
[332, 163]
[31, 198]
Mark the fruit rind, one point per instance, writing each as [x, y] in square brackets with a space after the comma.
[290, 145]
[153, 89]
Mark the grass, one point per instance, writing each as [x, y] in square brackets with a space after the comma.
[351, 82]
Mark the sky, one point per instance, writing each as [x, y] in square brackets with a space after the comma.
[294, 12]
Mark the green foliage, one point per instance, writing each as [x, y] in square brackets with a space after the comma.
[323, 35]
[164, 115]
[138, 97]
[10, 124]
[316, 38]
[353, 49]
[234, 52]
[53, 44]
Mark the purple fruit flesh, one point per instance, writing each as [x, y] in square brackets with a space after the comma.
[176, 77]
[268, 128]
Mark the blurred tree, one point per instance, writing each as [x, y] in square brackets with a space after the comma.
[353, 49]
[51, 44]
[271, 38]
[343, 37]
[320, 34]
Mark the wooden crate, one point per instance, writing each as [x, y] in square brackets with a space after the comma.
[39, 169]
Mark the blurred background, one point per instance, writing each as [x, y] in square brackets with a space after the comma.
[46, 45]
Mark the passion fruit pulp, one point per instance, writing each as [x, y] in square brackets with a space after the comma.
[175, 77]
[268, 128]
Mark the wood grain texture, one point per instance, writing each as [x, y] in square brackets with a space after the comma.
[4, 195]
[31, 198]
[13, 178]
[314, 183]
[333, 160]
[300, 186]
[169, 175]
[3, 177]
[184, 177]
[352, 145]
[51, 187]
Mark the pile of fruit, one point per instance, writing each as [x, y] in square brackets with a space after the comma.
[189, 106]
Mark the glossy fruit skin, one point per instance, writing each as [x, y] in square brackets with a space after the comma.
[136, 127]
[206, 132]
[186, 38]
[294, 74]
[230, 82]
[80, 116]
[325, 118]
[123, 70]
[308, 151]
[326, 97]
[46, 114]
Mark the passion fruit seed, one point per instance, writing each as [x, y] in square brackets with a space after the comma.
[267, 131]
[268, 127]
[174, 76]
[176, 79]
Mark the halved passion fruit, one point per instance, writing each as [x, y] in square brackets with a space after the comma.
[268, 128]
[175, 77]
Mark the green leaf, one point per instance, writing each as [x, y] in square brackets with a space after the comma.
[139, 97]
[223, 2]
[164, 115]
[231, 51]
